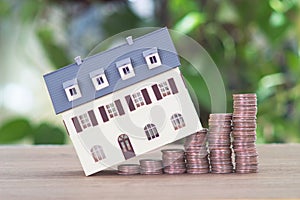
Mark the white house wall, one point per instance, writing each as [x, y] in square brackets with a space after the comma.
[133, 123]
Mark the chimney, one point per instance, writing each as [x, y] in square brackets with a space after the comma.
[129, 40]
[78, 60]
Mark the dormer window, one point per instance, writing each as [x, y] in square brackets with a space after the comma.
[99, 79]
[152, 58]
[125, 68]
[72, 89]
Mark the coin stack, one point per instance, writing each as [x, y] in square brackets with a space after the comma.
[196, 153]
[151, 166]
[128, 169]
[173, 161]
[244, 133]
[219, 142]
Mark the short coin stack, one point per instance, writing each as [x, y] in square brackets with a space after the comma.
[219, 142]
[196, 153]
[151, 166]
[244, 133]
[128, 169]
[173, 161]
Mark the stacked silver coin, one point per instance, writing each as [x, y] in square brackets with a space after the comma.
[173, 161]
[219, 142]
[244, 133]
[128, 169]
[196, 153]
[151, 166]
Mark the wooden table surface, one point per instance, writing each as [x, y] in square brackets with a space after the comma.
[54, 172]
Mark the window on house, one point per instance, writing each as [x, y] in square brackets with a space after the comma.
[151, 131]
[152, 58]
[138, 99]
[72, 89]
[99, 79]
[177, 121]
[97, 153]
[164, 89]
[125, 68]
[85, 121]
[111, 109]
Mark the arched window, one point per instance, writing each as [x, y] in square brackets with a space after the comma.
[98, 153]
[151, 131]
[177, 121]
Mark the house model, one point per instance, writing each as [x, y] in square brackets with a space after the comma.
[123, 102]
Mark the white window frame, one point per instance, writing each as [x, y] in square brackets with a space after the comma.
[138, 99]
[148, 54]
[177, 121]
[102, 85]
[164, 88]
[85, 121]
[151, 130]
[153, 65]
[111, 110]
[95, 75]
[75, 96]
[121, 65]
[98, 153]
[69, 86]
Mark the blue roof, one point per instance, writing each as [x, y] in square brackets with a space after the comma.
[107, 61]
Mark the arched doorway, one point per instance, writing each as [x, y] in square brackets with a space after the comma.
[126, 146]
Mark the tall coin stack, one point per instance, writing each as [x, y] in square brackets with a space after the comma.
[151, 166]
[173, 161]
[219, 143]
[244, 133]
[196, 153]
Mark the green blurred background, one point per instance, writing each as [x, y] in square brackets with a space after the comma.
[254, 43]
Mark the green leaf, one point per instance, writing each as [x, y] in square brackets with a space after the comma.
[15, 130]
[190, 22]
[121, 20]
[48, 134]
[56, 52]
[227, 13]
[5, 9]
[29, 9]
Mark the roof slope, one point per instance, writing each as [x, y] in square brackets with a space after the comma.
[107, 60]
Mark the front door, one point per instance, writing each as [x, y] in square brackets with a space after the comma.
[126, 146]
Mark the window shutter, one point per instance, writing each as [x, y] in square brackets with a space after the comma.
[66, 127]
[130, 103]
[119, 107]
[146, 96]
[76, 124]
[93, 118]
[156, 92]
[103, 114]
[173, 85]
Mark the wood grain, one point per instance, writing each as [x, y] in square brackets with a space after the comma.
[54, 172]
